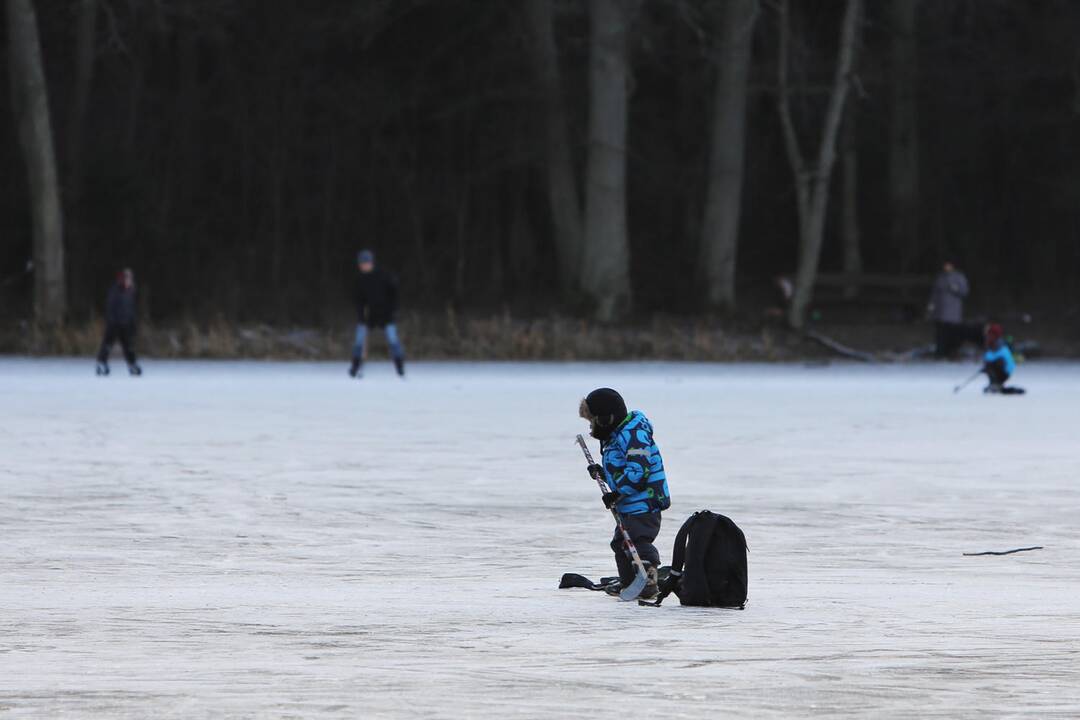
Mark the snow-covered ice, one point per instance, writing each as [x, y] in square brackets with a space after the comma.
[274, 540]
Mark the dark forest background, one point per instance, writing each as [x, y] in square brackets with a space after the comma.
[237, 153]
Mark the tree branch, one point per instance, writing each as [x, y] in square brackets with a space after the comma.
[783, 103]
[844, 64]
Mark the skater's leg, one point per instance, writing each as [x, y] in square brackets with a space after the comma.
[996, 372]
[941, 340]
[358, 342]
[127, 344]
[358, 349]
[397, 352]
[643, 530]
[394, 341]
[106, 345]
[622, 561]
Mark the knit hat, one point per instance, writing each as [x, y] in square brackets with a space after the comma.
[604, 409]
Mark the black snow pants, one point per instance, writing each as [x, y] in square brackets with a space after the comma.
[125, 334]
[996, 372]
[642, 529]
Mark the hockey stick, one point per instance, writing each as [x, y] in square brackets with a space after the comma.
[1005, 552]
[631, 591]
[967, 382]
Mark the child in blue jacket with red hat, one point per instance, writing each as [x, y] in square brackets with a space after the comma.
[998, 362]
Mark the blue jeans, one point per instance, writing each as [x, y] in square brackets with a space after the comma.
[392, 339]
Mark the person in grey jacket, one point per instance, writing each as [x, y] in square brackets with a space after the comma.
[946, 309]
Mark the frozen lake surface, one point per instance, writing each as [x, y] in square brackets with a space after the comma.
[275, 540]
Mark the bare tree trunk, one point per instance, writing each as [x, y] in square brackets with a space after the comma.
[605, 267]
[723, 197]
[496, 290]
[180, 218]
[276, 188]
[853, 264]
[140, 49]
[812, 181]
[904, 131]
[327, 227]
[85, 47]
[464, 198]
[84, 78]
[563, 189]
[31, 103]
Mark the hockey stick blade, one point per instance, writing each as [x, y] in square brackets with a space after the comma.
[631, 591]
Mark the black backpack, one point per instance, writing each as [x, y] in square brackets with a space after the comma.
[708, 564]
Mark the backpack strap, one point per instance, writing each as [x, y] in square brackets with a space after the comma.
[678, 554]
[678, 559]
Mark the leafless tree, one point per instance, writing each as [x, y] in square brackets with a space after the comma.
[812, 176]
[83, 75]
[723, 196]
[904, 130]
[563, 188]
[849, 169]
[605, 267]
[31, 102]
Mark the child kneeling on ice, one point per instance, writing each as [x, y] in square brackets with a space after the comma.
[998, 362]
[632, 466]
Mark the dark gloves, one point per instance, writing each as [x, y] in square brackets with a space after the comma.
[597, 472]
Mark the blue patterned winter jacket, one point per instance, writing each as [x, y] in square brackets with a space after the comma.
[634, 468]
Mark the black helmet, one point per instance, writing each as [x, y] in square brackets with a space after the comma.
[604, 409]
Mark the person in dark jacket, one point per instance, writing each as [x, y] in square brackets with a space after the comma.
[375, 294]
[120, 323]
[946, 309]
[634, 470]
